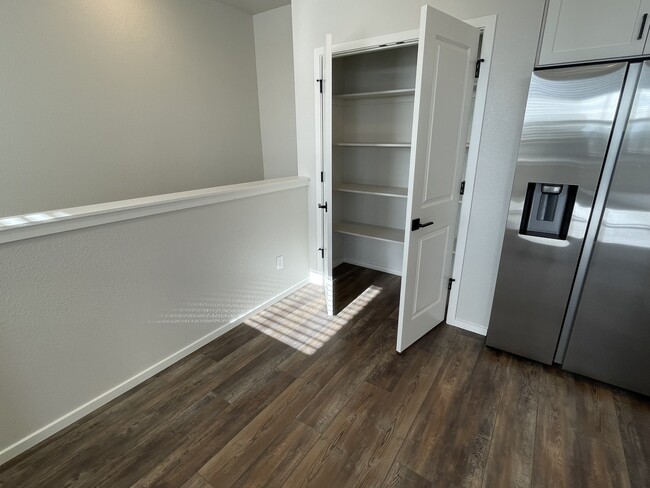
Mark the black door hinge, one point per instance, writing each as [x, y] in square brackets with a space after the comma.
[323, 205]
[320, 84]
[451, 280]
[462, 187]
[322, 177]
[477, 71]
[322, 252]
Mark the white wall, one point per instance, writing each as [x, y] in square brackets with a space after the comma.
[109, 100]
[517, 31]
[274, 58]
[85, 310]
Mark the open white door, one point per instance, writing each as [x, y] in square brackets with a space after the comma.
[326, 97]
[445, 75]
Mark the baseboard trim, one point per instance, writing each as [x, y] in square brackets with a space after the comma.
[316, 278]
[383, 269]
[469, 326]
[79, 412]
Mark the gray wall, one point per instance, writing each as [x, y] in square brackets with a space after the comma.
[108, 100]
[517, 31]
[274, 58]
[83, 311]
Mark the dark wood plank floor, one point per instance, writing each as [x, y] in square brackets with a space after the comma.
[294, 398]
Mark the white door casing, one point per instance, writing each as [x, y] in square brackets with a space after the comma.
[327, 85]
[455, 311]
[445, 74]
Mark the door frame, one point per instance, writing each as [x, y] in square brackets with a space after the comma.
[488, 25]
[337, 49]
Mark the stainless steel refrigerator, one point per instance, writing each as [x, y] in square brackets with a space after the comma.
[574, 276]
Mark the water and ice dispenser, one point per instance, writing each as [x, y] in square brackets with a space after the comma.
[547, 210]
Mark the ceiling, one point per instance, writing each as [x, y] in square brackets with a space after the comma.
[255, 6]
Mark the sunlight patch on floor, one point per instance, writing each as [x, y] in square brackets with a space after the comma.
[302, 322]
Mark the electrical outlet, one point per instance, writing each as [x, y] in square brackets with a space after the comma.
[279, 262]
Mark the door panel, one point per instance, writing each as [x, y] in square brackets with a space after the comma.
[428, 288]
[445, 74]
[610, 340]
[448, 98]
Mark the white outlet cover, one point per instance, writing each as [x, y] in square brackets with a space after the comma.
[279, 262]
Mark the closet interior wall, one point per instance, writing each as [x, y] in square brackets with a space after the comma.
[372, 117]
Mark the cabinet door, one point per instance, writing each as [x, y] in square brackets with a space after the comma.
[583, 30]
[443, 93]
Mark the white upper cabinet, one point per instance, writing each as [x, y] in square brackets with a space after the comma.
[584, 30]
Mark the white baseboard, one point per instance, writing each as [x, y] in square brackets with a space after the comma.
[384, 269]
[471, 327]
[67, 419]
[316, 278]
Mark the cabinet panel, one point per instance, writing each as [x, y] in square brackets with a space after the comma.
[584, 30]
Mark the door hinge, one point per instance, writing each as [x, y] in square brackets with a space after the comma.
[477, 71]
[451, 281]
[322, 252]
[462, 187]
[323, 206]
[320, 84]
[322, 177]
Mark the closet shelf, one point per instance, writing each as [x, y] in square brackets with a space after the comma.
[372, 144]
[376, 94]
[370, 231]
[385, 191]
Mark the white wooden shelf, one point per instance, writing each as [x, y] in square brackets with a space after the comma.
[372, 144]
[384, 191]
[370, 231]
[376, 94]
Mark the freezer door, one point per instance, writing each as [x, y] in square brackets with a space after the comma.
[610, 340]
[569, 118]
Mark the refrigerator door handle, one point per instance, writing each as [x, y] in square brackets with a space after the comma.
[642, 29]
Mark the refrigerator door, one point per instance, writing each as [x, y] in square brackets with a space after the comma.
[610, 340]
[567, 127]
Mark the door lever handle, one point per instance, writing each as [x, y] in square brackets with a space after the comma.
[415, 224]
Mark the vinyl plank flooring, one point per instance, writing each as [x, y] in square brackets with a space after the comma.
[91, 430]
[425, 450]
[555, 464]
[633, 413]
[272, 468]
[599, 464]
[596, 412]
[293, 397]
[236, 338]
[196, 481]
[332, 397]
[235, 457]
[335, 456]
[400, 476]
[255, 371]
[510, 461]
[190, 455]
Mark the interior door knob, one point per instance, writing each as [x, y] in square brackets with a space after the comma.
[416, 224]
